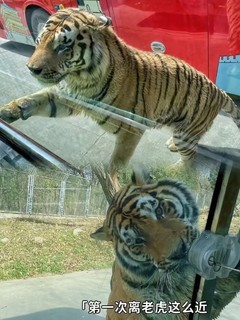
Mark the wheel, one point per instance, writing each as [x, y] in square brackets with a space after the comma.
[37, 21]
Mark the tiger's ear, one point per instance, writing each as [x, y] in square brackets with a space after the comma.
[100, 234]
[105, 21]
[141, 175]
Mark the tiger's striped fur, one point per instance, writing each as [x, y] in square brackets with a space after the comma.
[84, 56]
[152, 227]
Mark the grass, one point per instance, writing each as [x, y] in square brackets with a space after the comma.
[48, 246]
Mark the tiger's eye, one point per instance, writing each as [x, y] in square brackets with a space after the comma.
[135, 249]
[159, 213]
[61, 48]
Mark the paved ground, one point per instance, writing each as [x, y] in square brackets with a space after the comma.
[61, 297]
[54, 297]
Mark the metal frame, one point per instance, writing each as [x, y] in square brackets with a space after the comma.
[34, 152]
[219, 219]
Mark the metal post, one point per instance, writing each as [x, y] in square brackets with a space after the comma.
[87, 201]
[62, 198]
[30, 191]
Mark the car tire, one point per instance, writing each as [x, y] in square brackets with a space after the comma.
[38, 19]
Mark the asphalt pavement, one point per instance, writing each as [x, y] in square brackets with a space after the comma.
[74, 296]
[58, 297]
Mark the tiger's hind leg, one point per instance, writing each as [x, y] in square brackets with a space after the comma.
[171, 145]
[186, 145]
[187, 149]
[125, 145]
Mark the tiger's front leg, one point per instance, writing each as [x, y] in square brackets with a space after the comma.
[41, 103]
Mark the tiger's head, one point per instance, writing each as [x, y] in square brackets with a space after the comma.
[151, 226]
[69, 44]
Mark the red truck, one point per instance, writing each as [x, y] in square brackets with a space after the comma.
[205, 33]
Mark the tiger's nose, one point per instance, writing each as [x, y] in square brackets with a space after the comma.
[35, 70]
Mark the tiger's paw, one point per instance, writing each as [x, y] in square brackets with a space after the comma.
[171, 145]
[16, 109]
[10, 112]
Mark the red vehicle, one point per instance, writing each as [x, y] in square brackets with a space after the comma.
[21, 20]
[205, 33]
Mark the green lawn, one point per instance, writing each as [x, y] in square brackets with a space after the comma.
[33, 247]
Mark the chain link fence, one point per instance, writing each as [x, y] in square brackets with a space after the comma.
[38, 194]
[35, 193]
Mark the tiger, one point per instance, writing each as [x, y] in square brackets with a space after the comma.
[151, 226]
[80, 55]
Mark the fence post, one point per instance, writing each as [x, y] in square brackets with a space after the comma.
[62, 198]
[87, 201]
[31, 180]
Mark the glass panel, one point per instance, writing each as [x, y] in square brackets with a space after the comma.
[56, 189]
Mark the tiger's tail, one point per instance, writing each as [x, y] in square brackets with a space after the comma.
[233, 109]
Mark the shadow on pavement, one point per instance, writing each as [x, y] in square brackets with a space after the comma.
[58, 314]
[20, 48]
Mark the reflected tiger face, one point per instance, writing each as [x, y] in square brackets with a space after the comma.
[151, 226]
